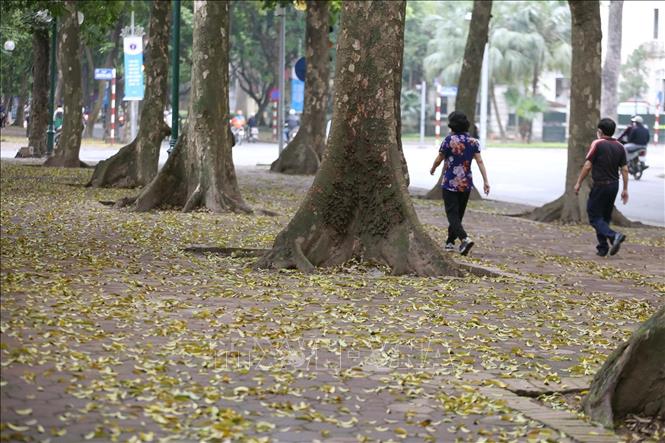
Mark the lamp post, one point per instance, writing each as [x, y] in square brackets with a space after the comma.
[175, 80]
[50, 134]
[280, 109]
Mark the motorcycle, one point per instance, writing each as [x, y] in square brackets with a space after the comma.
[253, 134]
[636, 165]
[238, 134]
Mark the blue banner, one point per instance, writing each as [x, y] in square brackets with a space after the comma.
[297, 94]
[134, 87]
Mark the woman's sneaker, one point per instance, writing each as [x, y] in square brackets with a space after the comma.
[449, 247]
[466, 246]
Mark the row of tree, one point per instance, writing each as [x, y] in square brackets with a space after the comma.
[358, 206]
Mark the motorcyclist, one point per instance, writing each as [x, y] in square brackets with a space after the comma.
[292, 124]
[636, 136]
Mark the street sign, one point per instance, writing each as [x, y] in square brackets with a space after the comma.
[133, 48]
[274, 94]
[301, 68]
[448, 91]
[103, 73]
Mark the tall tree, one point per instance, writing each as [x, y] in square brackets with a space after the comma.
[359, 206]
[199, 171]
[67, 153]
[584, 110]
[40, 84]
[136, 164]
[612, 67]
[303, 155]
[469, 77]
[631, 380]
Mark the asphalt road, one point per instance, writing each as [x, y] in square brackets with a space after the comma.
[521, 175]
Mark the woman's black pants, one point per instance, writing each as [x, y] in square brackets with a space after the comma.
[455, 204]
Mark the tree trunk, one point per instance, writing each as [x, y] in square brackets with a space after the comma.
[200, 172]
[610, 98]
[22, 99]
[40, 87]
[67, 153]
[497, 114]
[469, 77]
[358, 206]
[584, 111]
[632, 380]
[136, 164]
[303, 155]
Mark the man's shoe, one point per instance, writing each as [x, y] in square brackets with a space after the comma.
[449, 247]
[616, 244]
[466, 246]
[601, 253]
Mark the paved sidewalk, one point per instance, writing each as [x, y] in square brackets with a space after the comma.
[110, 332]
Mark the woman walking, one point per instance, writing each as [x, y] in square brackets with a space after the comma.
[458, 150]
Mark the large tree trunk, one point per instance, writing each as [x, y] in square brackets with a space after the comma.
[359, 206]
[632, 380]
[584, 111]
[610, 98]
[469, 78]
[303, 155]
[40, 85]
[136, 164]
[199, 171]
[67, 153]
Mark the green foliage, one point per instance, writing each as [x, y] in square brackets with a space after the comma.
[416, 38]
[526, 107]
[254, 44]
[634, 73]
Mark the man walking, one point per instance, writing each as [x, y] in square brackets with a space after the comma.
[605, 158]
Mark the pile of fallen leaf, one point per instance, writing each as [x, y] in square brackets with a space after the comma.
[112, 331]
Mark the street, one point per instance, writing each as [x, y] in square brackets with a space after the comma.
[520, 175]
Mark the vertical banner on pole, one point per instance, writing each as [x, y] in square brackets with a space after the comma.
[133, 48]
[297, 95]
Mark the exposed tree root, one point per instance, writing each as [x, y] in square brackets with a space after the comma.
[234, 252]
[632, 380]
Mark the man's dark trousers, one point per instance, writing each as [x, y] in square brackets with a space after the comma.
[599, 208]
[455, 204]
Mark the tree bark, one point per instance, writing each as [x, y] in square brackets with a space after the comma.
[358, 206]
[40, 86]
[612, 67]
[67, 153]
[200, 172]
[136, 164]
[497, 114]
[584, 111]
[469, 78]
[632, 380]
[303, 155]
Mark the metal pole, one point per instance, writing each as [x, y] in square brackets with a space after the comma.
[423, 103]
[113, 110]
[437, 119]
[134, 104]
[484, 81]
[282, 68]
[175, 82]
[50, 134]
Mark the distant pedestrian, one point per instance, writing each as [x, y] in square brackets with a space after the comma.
[605, 158]
[458, 150]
